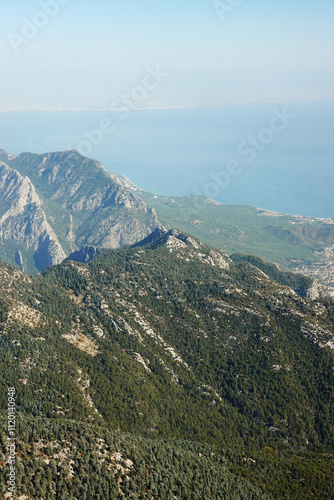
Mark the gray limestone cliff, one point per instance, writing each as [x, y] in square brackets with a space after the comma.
[53, 204]
[317, 291]
[23, 223]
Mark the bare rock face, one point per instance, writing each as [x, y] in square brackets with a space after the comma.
[317, 291]
[23, 222]
[16, 192]
[19, 260]
[53, 204]
[85, 254]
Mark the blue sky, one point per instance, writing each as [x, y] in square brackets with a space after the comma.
[89, 53]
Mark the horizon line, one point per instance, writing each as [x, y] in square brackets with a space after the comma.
[162, 106]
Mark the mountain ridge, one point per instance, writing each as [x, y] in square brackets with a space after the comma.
[80, 203]
[173, 340]
[83, 205]
[295, 243]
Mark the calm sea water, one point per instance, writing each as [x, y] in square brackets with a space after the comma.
[283, 164]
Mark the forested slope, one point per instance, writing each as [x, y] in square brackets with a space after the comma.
[167, 342]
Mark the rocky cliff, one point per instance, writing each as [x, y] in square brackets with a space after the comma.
[23, 223]
[53, 204]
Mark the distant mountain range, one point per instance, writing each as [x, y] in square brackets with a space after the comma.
[55, 203]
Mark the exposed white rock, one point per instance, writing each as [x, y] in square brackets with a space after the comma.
[138, 357]
[150, 332]
[318, 334]
[316, 291]
[173, 243]
[82, 342]
[23, 221]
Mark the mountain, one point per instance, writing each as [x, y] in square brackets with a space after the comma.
[301, 244]
[168, 370]
[53, 204]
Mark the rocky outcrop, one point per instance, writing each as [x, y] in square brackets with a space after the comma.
[317, 291]
[159, 232]
[84, 255]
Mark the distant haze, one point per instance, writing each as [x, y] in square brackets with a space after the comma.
[71, 54]
[187, 151]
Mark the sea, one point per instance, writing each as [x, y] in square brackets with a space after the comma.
[279, 157]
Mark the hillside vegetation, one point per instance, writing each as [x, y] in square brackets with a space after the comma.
[301, 244]
[203, 372]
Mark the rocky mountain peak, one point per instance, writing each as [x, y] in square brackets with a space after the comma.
[4, 156]
[70, 200]
[85, 254]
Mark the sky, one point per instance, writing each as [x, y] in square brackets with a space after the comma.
[79, 54]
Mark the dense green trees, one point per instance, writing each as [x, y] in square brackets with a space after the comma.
[183, 350]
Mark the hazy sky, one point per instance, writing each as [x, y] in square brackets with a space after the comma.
[80, 53]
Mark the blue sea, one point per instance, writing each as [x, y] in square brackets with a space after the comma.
[278, 157]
